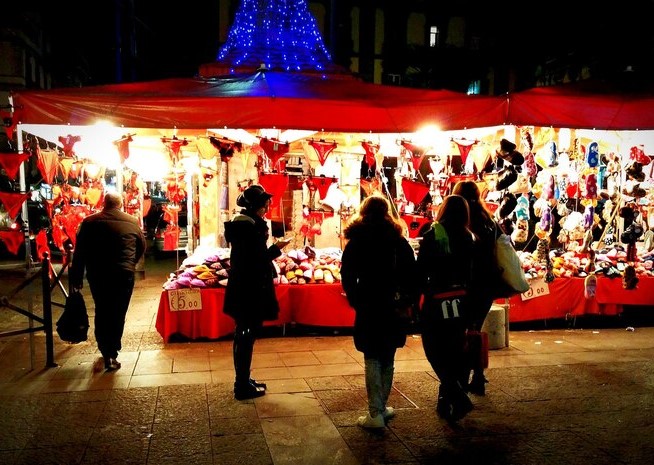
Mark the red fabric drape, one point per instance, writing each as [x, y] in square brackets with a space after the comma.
[13, 240]
[48, 160]
[11, 163]
[414, 191]
[13, 202]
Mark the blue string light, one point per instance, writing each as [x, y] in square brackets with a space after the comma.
[280, 34]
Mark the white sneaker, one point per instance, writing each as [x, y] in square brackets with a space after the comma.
[371, 422]
[388, 413]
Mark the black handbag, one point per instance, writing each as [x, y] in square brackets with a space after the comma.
[73, 324]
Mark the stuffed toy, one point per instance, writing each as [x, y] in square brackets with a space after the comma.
[635, 171]
[629, 278]
[508, 152]
[506, 177]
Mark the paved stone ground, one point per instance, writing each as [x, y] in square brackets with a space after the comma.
[556, 396]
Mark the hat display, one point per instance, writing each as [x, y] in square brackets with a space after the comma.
[253, 197]
[508, 152]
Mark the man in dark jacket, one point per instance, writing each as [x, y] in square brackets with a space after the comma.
[108, 246]
[250, 295]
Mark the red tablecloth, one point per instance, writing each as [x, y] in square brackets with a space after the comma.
[566, 298]
[309, 304]
[326, 305]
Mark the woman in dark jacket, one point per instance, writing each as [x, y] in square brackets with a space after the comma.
[250, 295]
[445, 266]
[480, 298]
[377, 261]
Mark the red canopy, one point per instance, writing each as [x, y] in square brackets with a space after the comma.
[334, 103]
[584, 105]
[264, 99]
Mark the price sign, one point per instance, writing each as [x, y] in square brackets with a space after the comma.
[184, 299]
[537, 288]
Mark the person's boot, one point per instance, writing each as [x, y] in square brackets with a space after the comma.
[258, 384]
[247, 391]
[244, 386]
[477, 385]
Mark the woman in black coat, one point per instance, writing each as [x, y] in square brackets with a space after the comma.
[250, 295]
[377, 261]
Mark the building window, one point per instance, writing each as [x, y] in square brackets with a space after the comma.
[474, 88]
[433, 36]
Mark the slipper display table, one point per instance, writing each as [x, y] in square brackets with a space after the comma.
[566, 299]
[198, 313]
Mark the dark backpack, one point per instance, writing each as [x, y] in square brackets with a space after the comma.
[73, 324]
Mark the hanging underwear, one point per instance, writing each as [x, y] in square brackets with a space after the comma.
[65, 164]
[9, 124]
[372, 186]
[13, 240]
[464, 148]
[371, 150]
[41, 241]
[122, 145]
[274, 149]
[72, 217]
[69, 142]
[414, 224]
[226, 148]
[275, 184]
[11, 163]
[322, 184]
[58, 235]
[416, 153]
[206, 149]
[13, 202]
[174, 145]
[637, 154]
[75, 169]
[323, 149]
[414, 191]
[93, 170]
[48, 161]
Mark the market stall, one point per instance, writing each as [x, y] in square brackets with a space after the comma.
[566, 170]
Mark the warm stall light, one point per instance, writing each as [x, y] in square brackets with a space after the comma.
[152, 164]
[97, 145]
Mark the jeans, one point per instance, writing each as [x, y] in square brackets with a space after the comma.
[379, 380]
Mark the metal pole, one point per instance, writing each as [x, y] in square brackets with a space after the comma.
[47, 310]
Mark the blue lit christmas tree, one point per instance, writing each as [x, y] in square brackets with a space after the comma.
[280, 35]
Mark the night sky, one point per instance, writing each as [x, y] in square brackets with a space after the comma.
[174, 39]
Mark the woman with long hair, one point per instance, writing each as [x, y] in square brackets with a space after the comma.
[377, 262]
[480, 299]
[445, 270]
